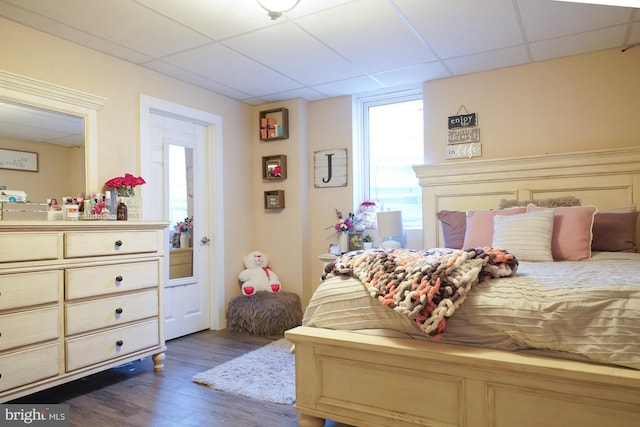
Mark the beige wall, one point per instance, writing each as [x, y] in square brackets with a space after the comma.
[55, 162]
[581, 103]
[283, 234]
[54, 60]
[585, 102]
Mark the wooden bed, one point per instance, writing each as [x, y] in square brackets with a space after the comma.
[352, 378]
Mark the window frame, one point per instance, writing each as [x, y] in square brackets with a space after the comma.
[361, 165]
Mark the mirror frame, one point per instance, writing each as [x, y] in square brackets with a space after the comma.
[41, 94]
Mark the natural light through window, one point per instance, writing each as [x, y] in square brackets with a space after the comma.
[177, 184]
[394, 131]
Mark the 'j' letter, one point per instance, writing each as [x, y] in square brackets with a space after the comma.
[327, 179]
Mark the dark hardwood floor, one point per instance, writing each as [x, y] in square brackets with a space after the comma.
[135, 395]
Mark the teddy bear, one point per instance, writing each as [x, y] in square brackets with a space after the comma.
[367, 214]
[257, 276]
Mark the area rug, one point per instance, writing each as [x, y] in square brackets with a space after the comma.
[267, 374]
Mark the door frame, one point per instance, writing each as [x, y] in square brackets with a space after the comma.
[213, 189]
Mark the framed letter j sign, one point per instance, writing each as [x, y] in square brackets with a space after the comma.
[330, 168]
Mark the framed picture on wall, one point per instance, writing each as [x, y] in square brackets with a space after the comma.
[19, 160]
[330, 168]
[274, 167]
[274, 199]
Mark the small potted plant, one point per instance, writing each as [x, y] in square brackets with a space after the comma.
[367, 242]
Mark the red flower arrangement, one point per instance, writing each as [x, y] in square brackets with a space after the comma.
[124, 184]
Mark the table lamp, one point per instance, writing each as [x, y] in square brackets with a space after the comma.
[389, 226]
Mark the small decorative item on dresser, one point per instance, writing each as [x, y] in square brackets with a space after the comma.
[124, 185]
[122, 214]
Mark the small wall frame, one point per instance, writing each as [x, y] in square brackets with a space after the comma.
[19, 160]
[274, 167]
[274, 124]
[274, 199]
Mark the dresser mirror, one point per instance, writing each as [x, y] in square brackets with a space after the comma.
[57, 123]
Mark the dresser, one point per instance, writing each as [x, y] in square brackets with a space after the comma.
[76, 298]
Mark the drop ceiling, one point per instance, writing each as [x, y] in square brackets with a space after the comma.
[328, 48]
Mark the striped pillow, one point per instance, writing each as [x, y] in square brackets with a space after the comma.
[527, 236]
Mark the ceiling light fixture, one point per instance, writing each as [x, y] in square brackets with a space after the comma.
[275, 8]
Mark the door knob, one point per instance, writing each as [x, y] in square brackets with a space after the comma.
[205, 240]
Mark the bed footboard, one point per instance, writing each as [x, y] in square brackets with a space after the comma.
[375, 381]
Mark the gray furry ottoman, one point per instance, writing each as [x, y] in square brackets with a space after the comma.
[264, 313]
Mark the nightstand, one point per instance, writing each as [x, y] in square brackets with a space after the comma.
[326, 259]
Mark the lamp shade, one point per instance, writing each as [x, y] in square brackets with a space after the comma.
[389, 223]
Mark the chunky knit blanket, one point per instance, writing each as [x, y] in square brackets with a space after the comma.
[425, 285]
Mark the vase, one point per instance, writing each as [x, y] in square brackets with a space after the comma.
[125, 191]
[343, 241]
[184, 240]
[367, 245]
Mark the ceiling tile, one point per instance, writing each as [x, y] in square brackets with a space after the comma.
[327, 48]
[556, 18]
[411, 75]
[68, 33]
[196, 80]
[221, 64]
[353, 86]
[218, 19]
[370, 33]
[123, 22]
[578, 43]
[462, 27]
[294, 53]
[488, 60]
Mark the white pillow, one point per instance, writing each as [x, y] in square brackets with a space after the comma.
[527, 236]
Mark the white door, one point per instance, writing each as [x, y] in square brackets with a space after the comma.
[186, 143]
[186, 307]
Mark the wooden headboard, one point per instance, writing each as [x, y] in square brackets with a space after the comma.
[608, 179]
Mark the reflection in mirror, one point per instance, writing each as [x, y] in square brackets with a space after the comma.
[181, 211]
[77, 110]
[58, 140]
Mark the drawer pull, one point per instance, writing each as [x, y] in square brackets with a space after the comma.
[118, 243]
[119, 343]
[119, 279]
[119, 310]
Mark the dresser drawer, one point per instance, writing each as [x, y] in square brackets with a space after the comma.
[112, 311]
[109, 279]
[28, 327]
[83, 244]
[28, 366]
[22, 290]
[29, 247]
[102, 346]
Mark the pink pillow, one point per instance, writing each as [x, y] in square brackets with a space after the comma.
[479, 231]
[572, 232]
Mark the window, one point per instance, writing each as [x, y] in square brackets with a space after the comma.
[392, 142]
